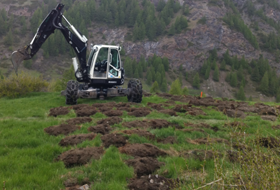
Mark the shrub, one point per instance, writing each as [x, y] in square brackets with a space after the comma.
[176, 88]
[60, 84]
[155, 87]
[15, 86]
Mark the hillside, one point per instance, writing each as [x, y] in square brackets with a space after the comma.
[245, 28]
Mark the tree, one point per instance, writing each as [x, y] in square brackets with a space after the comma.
[240, 73]
[240, 94]
[255, 74]
[223, 66]
[207, 73]
[149, 77]
[185, 91]
[233, 80]
[155, 88]
[216, 74]
[227, 58]
[196, 81]
[163, 86]
[264, 86]
[175, 88]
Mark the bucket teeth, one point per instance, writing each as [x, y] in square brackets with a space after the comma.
[18, 56]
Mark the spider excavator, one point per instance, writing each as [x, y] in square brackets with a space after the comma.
[99, 76]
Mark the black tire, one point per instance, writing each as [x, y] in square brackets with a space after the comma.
[136, 91]
[72, 92]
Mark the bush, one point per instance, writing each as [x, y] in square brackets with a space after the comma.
[22, 84]
[60, 84]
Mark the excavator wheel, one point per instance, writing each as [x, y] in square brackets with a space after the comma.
[136, 91]
[72, 92]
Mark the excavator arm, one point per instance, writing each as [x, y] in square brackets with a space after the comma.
[52, 22]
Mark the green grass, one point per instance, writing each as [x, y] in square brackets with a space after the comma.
[27, 153]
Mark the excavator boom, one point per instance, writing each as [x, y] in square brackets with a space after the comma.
[52, 22]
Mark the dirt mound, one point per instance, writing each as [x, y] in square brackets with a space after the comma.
[232, 156]
[86, 111]
[141, 133]
[198, 154]
[159, 123]
[124, 104]
[110, 120]
[74, 184]
[76, 139]
[247, 108]
[268, 142]
[108, 104]
[208, 141]
[59, 111]
[80, 156]
[81, 106]
[164, 95]
[79, 120]
[140, 112]
[155, 106]
[63, 129]
[144, 166]
[147, 94]
[152, 182]
[168, 140]
[136, 124]
[168, 112]
[182, 108]
[113, 113]
[105, 109]
[195, 112]
[142, 150]
[117, 140]
[269, 117]
[102, 129]
[127, 109]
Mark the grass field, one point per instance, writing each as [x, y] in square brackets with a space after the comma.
[27, 153]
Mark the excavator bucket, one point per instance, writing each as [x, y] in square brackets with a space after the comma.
[18, 56]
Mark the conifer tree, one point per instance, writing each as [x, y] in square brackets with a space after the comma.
[185, 91]
[175, 88]
[213, 64]
[196, 81]
[158, 78]
[216, 74]
[233, 80]
[163, 86]
[240, 73]
[227, 58]
[255, 74]
[207, 73]
[165, 62]
[240, 94]
[223, 66]
[149, 77]
[264, 86]
[155, 87]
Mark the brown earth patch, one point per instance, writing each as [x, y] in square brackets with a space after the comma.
[113, 113]
[276, 127]
[198, 154]
[102, 129]
[108, 104]
[208, 141]
[63, 129]
[124, 104]
[74, 184]
[110, 121]
[234, 113]
[235, 124]
[59, 111]
[147, 94]
[164, 95]
[80, 156]
[127, 109]
[152, 182]
[140, 112]
[144, 166]
[105, 109]
[269, 117]
[182, 108]
[202, 125]
[117, 140]
[142, 150]
[155, 106]
[268, 142]
[141, 133]
[76, 139]
[195, 112]
[86, 112]
[81, 106]
[159, 123]
[168, 112]
[136, 124]
[170, 102]
[79, 120]
[168, 140]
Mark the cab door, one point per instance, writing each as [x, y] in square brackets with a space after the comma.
[114, 64]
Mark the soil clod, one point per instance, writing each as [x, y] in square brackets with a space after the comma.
[140, 112]
[144, 166]
[168, 140]
[268, 142]
[208, 141]
[110, 120]
[80, 156]
[169, 112]
[59, 111]
[76, 139]
[113, 113]
[63, 129]
[86, 112]
[142, 150]
[102, 129]
[136, 124]
[117, 140]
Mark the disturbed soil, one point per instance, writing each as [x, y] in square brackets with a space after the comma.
[144, 166]
[86, 112]
[208, 141]
[113, 113]
[117, 140]
[102, 129]
[140, 112]
[141, 133]
[142, 150]
[110, 120]
[59, 111]
[76, 139]
[63, 129]
[80, 156]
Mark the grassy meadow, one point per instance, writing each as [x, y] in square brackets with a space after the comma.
[27, 153]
